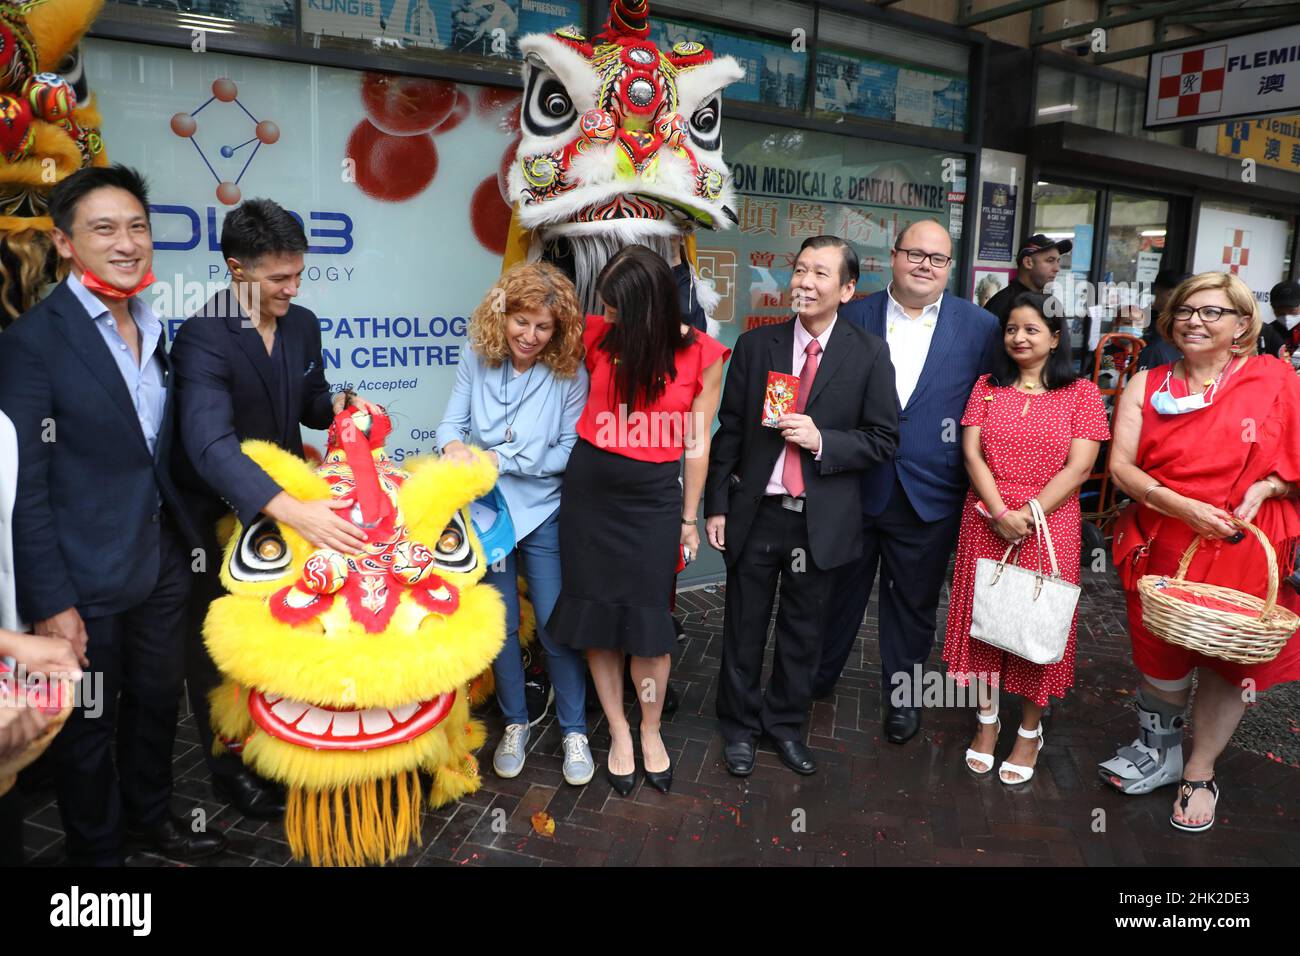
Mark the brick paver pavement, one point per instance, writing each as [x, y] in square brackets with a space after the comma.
[871, 802]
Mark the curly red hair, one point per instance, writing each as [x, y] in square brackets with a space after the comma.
[529, 286]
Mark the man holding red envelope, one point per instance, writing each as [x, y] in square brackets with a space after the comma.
[777, 495]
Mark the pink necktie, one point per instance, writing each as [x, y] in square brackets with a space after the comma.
[792, 469]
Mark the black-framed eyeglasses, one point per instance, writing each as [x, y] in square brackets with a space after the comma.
[1207, 313]
[916, 256]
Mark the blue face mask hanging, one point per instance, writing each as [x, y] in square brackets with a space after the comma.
[1164, 402]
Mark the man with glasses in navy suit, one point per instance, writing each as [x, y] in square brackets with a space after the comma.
[939, 346]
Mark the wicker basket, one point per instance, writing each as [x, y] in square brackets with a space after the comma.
[1252, 635]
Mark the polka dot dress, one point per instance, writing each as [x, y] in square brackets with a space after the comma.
[1025, 449]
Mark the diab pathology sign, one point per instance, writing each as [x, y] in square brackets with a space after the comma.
[404, 219]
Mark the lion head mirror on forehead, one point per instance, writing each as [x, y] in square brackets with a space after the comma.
[621, 144]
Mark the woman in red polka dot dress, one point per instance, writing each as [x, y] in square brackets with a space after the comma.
[1032, 430]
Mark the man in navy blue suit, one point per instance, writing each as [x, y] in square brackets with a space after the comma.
[939, 346]
[101, 540]
[249, 365]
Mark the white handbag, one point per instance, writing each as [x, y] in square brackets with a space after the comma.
[1024, 612]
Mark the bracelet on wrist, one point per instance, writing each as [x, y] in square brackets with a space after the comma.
[1150, 488]
[689, 520]
[1000, 514]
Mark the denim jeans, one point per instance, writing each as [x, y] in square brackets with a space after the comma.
[539, 552]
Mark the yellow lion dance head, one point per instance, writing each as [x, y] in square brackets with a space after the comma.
[346, 674]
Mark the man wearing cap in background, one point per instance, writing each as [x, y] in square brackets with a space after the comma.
[1037, 263]
[1281, 337]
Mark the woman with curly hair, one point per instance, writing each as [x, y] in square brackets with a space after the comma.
[518, 395]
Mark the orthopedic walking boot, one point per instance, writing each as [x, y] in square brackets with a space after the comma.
[1155, 759]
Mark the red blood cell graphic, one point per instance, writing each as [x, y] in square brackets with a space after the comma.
[497, 99]
[183, 124]
[503, 171]
[406, 105]
[267, 132]
[225, 89]
[228, 193]
[391, 168]
[458, 114]
[489, 216]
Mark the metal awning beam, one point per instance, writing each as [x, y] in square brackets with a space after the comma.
[1116, 56]
[969, 19]
[1240, 13]
[1120, 19]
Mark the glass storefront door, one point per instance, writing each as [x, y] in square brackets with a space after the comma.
[1069, 212]
[1135, 238]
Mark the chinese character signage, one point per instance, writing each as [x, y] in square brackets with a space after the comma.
[1273, 141]
[1250, 75]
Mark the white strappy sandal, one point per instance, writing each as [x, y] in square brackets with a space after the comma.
[975, 754]
[1024, 773]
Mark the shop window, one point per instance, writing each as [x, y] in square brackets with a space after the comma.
[776, 73]
[1066, 96]
[792, 184]
[860, 73]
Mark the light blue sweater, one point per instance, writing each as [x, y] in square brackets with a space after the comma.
[543, 412]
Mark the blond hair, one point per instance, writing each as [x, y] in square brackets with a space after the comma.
[1238, 293]
[526, 287]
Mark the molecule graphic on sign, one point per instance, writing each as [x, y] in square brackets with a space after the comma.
[264, 132]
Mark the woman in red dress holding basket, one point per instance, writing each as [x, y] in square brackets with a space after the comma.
[1032, 431]
[1212, 437]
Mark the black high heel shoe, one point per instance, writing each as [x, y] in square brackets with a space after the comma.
[623, 783]
[661, 781]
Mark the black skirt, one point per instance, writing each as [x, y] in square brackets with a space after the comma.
[620, 530]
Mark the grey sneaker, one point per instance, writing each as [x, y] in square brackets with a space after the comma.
[579, 768]
[509, 757]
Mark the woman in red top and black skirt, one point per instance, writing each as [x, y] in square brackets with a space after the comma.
[655, 385]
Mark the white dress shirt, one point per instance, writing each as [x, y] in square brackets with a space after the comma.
[801, 339]
[909, 342]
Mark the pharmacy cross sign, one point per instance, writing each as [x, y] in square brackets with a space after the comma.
[1236, 250]
[1191, 83]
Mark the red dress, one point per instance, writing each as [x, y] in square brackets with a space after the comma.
[1251, 430]
[1024, 452]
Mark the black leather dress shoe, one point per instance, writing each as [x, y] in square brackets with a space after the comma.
[250, 795]
[174, 839]
[795, 756]
[739, 758]
[902, 723]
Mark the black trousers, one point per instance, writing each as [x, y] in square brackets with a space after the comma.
[201, 674]
[912, 556]
[777, 547]
[139, 656]
[11, 828]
